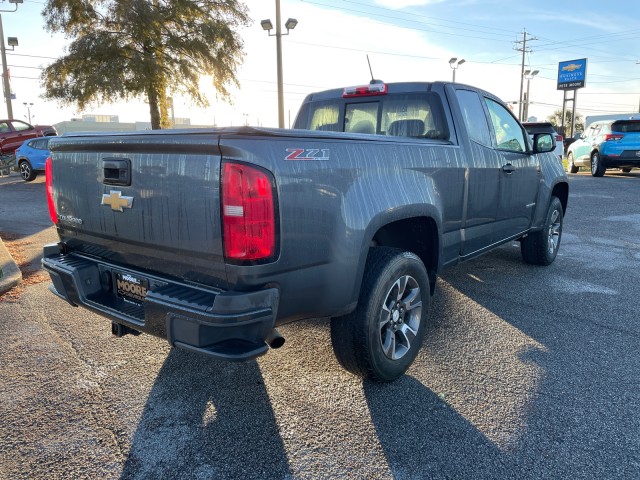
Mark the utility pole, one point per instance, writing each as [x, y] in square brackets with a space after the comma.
[5, 74]
[524, 51]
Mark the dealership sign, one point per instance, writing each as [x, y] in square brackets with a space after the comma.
[572, 74]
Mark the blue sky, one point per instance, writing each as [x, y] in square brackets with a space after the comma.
[405, 40]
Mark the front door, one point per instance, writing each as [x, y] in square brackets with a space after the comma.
[519, 173]
[483, 177]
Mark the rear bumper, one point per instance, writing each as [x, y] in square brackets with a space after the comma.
[224, 325]
[627, 158]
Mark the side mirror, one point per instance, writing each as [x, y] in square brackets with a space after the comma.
[543, 143]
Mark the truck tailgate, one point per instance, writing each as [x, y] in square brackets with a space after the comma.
[151, 201]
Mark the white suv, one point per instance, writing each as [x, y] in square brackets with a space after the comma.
[546, 127]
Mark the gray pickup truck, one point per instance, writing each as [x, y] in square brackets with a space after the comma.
[212, 238]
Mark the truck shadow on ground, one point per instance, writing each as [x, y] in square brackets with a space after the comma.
[422, 436]
[215, 420]
[501, 389]
[206, 419]
[562, 366]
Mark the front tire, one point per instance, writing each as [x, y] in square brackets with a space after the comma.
[570, 165]
[380, 339]
[541, 247]
[26, 171]
[597, 168]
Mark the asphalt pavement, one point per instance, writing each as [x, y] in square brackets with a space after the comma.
[526, 372]
[10, 274]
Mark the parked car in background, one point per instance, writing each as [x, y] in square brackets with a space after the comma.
[546, 127]
[569, 140]
[14, 133]
[30, 157]
[606, 144]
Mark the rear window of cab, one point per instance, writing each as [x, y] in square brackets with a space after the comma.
[416, 115]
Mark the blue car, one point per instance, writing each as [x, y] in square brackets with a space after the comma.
[30, 157]
[606, 144]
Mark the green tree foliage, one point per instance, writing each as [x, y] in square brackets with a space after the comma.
[125, 49]
[556, 120]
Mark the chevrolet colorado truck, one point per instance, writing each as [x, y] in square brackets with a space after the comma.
[211, 239]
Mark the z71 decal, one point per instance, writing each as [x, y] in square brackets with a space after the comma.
[307, 154]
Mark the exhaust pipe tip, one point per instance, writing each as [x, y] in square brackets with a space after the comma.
[274, 339]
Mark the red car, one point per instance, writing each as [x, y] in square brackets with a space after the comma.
[14, 132]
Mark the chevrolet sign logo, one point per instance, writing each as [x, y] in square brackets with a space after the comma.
[116, 201]
[571, 67]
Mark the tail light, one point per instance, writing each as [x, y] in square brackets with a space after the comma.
[248, 213]
[613, 136]
[49, 183]
[559, 138]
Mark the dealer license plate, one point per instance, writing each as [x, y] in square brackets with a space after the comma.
[131, 288]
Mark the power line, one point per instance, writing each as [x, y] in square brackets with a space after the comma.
[609, 93]
[32, 56]
[414, 14]
[24, 66]
[395, 54]
[476, 37]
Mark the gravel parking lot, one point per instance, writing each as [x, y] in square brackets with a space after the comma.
[526, 372]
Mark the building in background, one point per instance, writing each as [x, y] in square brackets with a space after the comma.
[111, 123]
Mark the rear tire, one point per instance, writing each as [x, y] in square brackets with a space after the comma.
[380, 339]
[26, 171]
[597, 168]
[541, 248]
[571, 167]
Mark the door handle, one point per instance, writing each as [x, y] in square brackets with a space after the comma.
[508, 168]
[116, 171]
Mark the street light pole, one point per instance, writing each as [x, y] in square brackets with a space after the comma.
[454, 63]
[279, 62]
[528, 74]
[28, 107]
[289, 25]
[13, 42]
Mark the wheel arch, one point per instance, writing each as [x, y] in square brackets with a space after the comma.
[561, 190]
[417, 233]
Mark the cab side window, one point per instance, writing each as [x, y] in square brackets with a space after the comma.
[507, 132]
[474, 117]
[19, 126]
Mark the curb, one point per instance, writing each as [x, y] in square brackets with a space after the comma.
[10, 274]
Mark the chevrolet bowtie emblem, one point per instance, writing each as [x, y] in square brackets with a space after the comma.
[116, 201]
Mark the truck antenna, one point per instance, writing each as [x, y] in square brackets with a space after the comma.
[373, 80]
